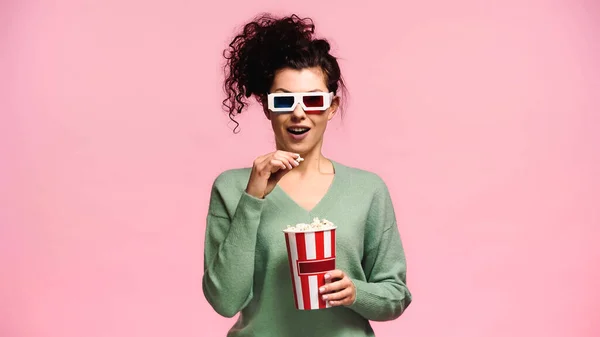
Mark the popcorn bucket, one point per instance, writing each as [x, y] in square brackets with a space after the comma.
[311, 254]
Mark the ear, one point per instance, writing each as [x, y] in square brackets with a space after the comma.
[335, 104]
[267, 113]
[265, 107]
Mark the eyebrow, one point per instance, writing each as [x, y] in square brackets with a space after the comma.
[287, 91]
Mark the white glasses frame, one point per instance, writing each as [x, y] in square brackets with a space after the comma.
[327, 99]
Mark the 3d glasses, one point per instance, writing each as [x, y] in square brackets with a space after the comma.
[311, 102]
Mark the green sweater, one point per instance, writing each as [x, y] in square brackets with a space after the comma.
[246, 268]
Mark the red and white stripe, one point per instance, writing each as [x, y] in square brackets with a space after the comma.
[310, 255]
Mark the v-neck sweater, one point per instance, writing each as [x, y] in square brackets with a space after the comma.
[246, 268]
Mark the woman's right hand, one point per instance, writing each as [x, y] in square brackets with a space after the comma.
[268, 170]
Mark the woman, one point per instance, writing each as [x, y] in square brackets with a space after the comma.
[296, 80]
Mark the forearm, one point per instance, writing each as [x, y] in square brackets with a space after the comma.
[382, 301]
[383, 295]
[229, 263]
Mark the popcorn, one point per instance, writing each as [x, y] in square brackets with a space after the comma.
[299, 159]
[316, 225]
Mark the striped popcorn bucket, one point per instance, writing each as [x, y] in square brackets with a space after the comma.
[311, 254]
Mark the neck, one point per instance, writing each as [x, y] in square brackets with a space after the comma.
[314, 162]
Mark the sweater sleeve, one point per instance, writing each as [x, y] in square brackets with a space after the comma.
[383, 295]
[229, 249]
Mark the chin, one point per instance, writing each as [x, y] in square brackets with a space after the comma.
[301, 147]
[294, 147]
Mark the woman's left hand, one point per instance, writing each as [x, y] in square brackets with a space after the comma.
[341, 291]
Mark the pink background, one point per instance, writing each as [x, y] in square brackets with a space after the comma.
[482, 117]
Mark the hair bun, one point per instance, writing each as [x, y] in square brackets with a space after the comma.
[321, 45]
[290, 32]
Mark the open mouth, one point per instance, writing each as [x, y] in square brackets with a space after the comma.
[298, 131]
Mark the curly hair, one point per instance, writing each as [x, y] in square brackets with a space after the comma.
[267, 44]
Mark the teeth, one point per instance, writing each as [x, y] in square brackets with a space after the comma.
[298, 129]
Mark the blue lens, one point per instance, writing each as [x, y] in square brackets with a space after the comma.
[283, 101]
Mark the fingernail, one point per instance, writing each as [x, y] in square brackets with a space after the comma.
[322, 289]
[324, 297]
[327, 276]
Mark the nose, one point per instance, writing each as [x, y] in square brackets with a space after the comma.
[298, 113]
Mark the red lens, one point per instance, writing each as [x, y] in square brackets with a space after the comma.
[313, 101]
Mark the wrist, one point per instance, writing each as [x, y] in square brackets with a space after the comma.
[253, 192]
